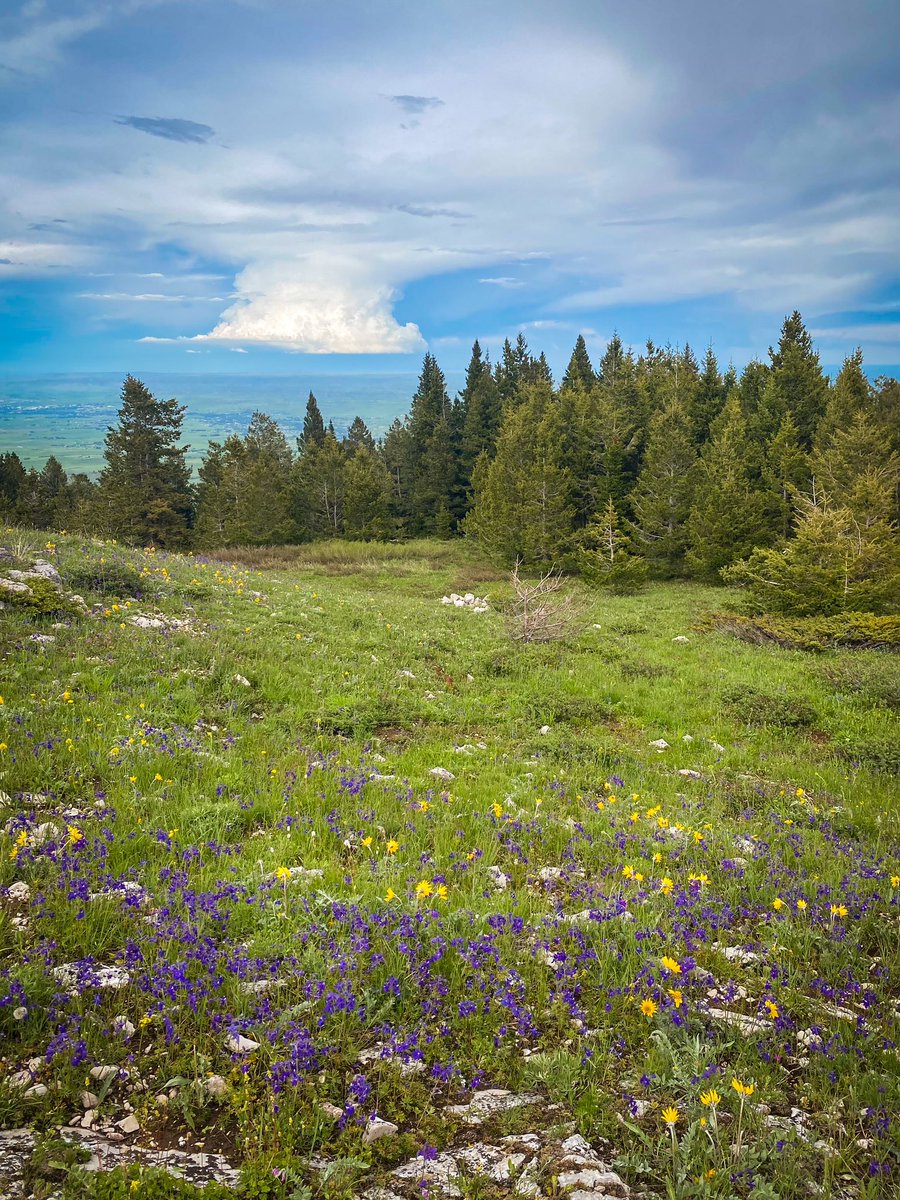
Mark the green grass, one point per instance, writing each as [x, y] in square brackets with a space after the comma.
[184, 780]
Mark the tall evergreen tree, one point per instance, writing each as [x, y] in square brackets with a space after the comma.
[580, 371]
[727, 518]
[359, 436]
[521, 508]
[661, 501]
[145, 488]
[480, 421]
[707, 399]
[313, 426]
[367, 497]
[12, 477]
[433, 454]
[785, 474]
[796, 384]
[244, 494]
[320, 488]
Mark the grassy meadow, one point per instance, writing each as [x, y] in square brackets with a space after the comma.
[239, 867]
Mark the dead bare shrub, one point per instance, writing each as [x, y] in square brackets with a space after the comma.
[540, 610]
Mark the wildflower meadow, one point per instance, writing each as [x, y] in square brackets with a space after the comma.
[313, 885]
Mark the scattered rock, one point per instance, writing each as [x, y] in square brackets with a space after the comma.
[544, 730]
[377, 1129]
[442, 773]
[88, 1100]
[331, 1110]
[681, 639]
[689, 773]
[238, 1044]
[660, 744]
[498, 878]
[489, 1103]
[129, 1124]
[36, 1091]
[19, 891]
[102, 1073]
[215, 1085]
[242, 680]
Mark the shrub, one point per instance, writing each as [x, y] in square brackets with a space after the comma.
[832, 565]
[539, 613]
[881, 755]
[759, 709]
[43, 599]
[108, 577]
[853, 630]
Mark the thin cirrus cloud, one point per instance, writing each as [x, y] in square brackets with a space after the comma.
[173, 129]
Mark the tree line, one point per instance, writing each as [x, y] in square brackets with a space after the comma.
[643, 464]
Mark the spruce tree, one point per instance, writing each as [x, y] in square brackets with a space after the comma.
[727, 519]
[480, 421]
[796, 384]
[785, 474]
[367, 497]
[707, 399]
[12, 477]
[858, 472]
[604, 559]
[831, 565]
[661, 501]
[319, 489]
[521, 505]
[433, 453]
[579, 372]
[145, 488]
[313, 426]
[359, 436]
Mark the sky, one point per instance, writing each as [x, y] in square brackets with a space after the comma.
[277, 185]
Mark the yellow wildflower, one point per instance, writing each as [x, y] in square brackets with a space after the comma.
[367, 841]
[390, 895]
[424, 888]
[670, 1114]
[838, 910]
[772, 1009]
[648, 1007]
[392, 846]
[711, 1098]
[777, 903]
[742, 1089]
[283, 874]
[671, 964]
[677, 996]
[75, 835]
[666, 885]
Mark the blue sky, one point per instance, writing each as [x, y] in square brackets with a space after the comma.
[264, 185]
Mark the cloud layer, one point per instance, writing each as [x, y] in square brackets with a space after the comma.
[573, 161]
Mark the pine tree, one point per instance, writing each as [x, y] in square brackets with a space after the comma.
[367, 497]
[313, 426]
[358, 436]
[604, 559]
[851, 397]
[785, 474]
[579, 372]
[662, 497]
[145, 487]
[521, 508]
[707, 399]
[796, 384]
[727, 518]
[832, 565]
[12, 477]
[319, 489]
[433, 453]
[480, 414]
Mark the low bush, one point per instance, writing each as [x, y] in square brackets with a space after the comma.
[861, 631]
[43, 599]
[106, 577]
[760, 709]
